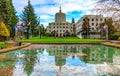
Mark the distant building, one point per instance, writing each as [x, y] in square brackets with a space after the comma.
[95, 22]
[61, 27]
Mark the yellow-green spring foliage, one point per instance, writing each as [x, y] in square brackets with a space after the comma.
[3, 30]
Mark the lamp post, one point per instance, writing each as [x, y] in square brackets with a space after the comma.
[39, 27]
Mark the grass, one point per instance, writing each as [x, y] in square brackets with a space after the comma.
[45, 39]
[3, 45]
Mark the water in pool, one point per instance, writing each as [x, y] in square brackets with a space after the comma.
[61, 60]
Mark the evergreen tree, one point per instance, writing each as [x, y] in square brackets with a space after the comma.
[74, 30]
[73, 20]
[42, 29]
[86, 27]
[7, 14]
[29, 18]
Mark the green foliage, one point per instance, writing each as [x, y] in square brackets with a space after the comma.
[3, 30]
[7, 15]
[111, 29]
[84, 24]
[28, 15]
[119, 38]
[3, 45]
[114, 36]
[85, 29]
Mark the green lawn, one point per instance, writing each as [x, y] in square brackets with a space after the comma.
[59, 40]
[2, 45]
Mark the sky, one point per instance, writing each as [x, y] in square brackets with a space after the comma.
[46, 9]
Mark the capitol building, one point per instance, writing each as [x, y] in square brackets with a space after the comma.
[61, 27]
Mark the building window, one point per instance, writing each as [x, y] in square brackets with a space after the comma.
[100, 19]
[92, 23]
[66, 26]
[54, 27]
[96, 24]
[49, 27]
[96, 19]
[92, 19]
[105, 19]
[63, 26]
[83, 19]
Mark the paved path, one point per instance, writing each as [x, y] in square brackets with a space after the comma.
[113, 44]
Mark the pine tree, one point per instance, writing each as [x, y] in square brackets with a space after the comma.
[73, 20]
[7, 14]
[28, 17]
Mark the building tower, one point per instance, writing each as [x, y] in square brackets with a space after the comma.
[60, 17]
[60, 28]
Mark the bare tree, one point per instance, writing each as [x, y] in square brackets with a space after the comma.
[110, 8]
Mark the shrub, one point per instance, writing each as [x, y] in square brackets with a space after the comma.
[114, 37]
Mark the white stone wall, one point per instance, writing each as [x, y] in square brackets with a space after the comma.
[60, 28]
[60, 17]
[94, 23]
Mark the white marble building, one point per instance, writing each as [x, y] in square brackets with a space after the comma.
[94, 22]
[60, 27]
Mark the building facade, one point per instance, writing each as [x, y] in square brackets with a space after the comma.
[60, 27]
[95, 22]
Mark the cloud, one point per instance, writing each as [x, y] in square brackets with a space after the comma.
[46, 9]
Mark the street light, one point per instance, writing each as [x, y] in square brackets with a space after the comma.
[39, 25]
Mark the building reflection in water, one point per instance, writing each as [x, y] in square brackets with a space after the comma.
[75, 60]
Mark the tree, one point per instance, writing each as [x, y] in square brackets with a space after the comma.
[29, 18]
[86, 27]
[73, 21]
[111, 28]
[7, 15]
[109, 7]
[3, 31]
[42, 29]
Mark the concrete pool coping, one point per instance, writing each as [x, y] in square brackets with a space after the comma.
[108, 43]
[112, 44]
[14, 48]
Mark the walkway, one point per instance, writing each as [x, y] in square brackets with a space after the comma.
[112, 43]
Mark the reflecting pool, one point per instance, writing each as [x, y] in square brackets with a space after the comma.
[61, 60]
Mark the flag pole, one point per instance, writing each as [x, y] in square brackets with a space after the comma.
[107, 32]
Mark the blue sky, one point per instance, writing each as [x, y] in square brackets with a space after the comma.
[46, 9]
